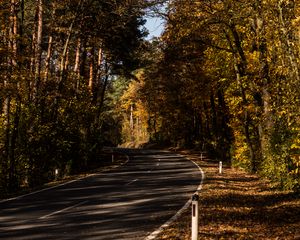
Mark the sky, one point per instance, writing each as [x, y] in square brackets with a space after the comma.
[155, 27]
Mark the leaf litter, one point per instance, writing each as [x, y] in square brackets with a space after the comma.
[238, 205]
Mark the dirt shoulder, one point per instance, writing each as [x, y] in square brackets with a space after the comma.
[237, 205]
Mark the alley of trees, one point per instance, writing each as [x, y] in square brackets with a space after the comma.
[78, 75]
[224, 78]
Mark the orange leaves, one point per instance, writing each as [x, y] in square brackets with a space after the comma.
[237, 205]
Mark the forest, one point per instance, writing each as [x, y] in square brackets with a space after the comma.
[78, 75]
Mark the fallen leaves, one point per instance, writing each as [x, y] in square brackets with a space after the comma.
[238, 205]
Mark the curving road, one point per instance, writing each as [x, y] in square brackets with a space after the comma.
[128, 203]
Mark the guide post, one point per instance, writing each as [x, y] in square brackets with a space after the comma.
[195, 216]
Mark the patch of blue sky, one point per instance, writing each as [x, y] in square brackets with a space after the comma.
[155, 27]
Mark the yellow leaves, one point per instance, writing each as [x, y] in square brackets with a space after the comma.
[135, 113]
[296, 143]
[295, 146]
[296, 22]
[296, 162]
[253, 59]
[131, 94]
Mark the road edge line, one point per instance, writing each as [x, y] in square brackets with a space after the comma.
[59, 185]
[63, 210]
[154, 234]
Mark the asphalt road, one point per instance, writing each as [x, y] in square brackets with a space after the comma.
[127, 203]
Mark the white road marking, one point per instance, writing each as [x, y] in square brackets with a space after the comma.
[63, 210]
[59, 185]
[131, 182]
[154, 234]
[158, 164]
[42, 190]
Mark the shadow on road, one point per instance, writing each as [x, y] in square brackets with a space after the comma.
[126, 203]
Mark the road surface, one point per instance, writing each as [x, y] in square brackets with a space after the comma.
[127, 203]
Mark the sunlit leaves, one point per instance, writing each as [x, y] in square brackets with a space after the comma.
[248, 50]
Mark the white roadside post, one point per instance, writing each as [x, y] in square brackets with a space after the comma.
[56, 173]
[220, 167]
[112, 155]
[195, 216]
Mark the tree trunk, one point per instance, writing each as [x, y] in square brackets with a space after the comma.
[47, 60]
[131, 123]
[38, 47]
[101, 96]
[12, 63]
[77, 63]
[213, 114]
[267, 118]
[83, 60]
[22, 4]
[286, 40]
[64, 56]
[91, 71]
[240, 67]
[207, 120]
[66, 46]
[99, 64]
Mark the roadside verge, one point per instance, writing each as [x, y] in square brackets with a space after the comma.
[237, 205]
[120, 158]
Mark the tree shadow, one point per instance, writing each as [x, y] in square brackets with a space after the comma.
[244, 202]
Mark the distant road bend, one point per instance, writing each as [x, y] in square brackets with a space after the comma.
[127, 203]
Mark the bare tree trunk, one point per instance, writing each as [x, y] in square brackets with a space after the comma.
[14, 126]
[47, 60]
[7, 108]
[22, 4]
[67, 61]
[64, 55]
[131, 123]
[207, 120]
[77, 63]
[14, 33]
[77, 57]
[91, 72]
[66, 46]
[38, 47]
[98, 74]
[213, 114]
[101, 96]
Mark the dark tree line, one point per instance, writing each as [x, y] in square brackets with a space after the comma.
[57, 62]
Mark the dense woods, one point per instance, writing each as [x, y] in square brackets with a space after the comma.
[78, 75]
[225, 78]
[58, 63]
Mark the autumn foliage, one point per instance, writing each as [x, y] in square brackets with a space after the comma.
[225, 78]
[58, 62]
[78, 75]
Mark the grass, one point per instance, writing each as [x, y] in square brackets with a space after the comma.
[238, 205]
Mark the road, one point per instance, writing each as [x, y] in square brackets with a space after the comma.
[127, 203]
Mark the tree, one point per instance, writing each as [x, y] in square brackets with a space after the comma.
[229, 75]
[58, 60]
